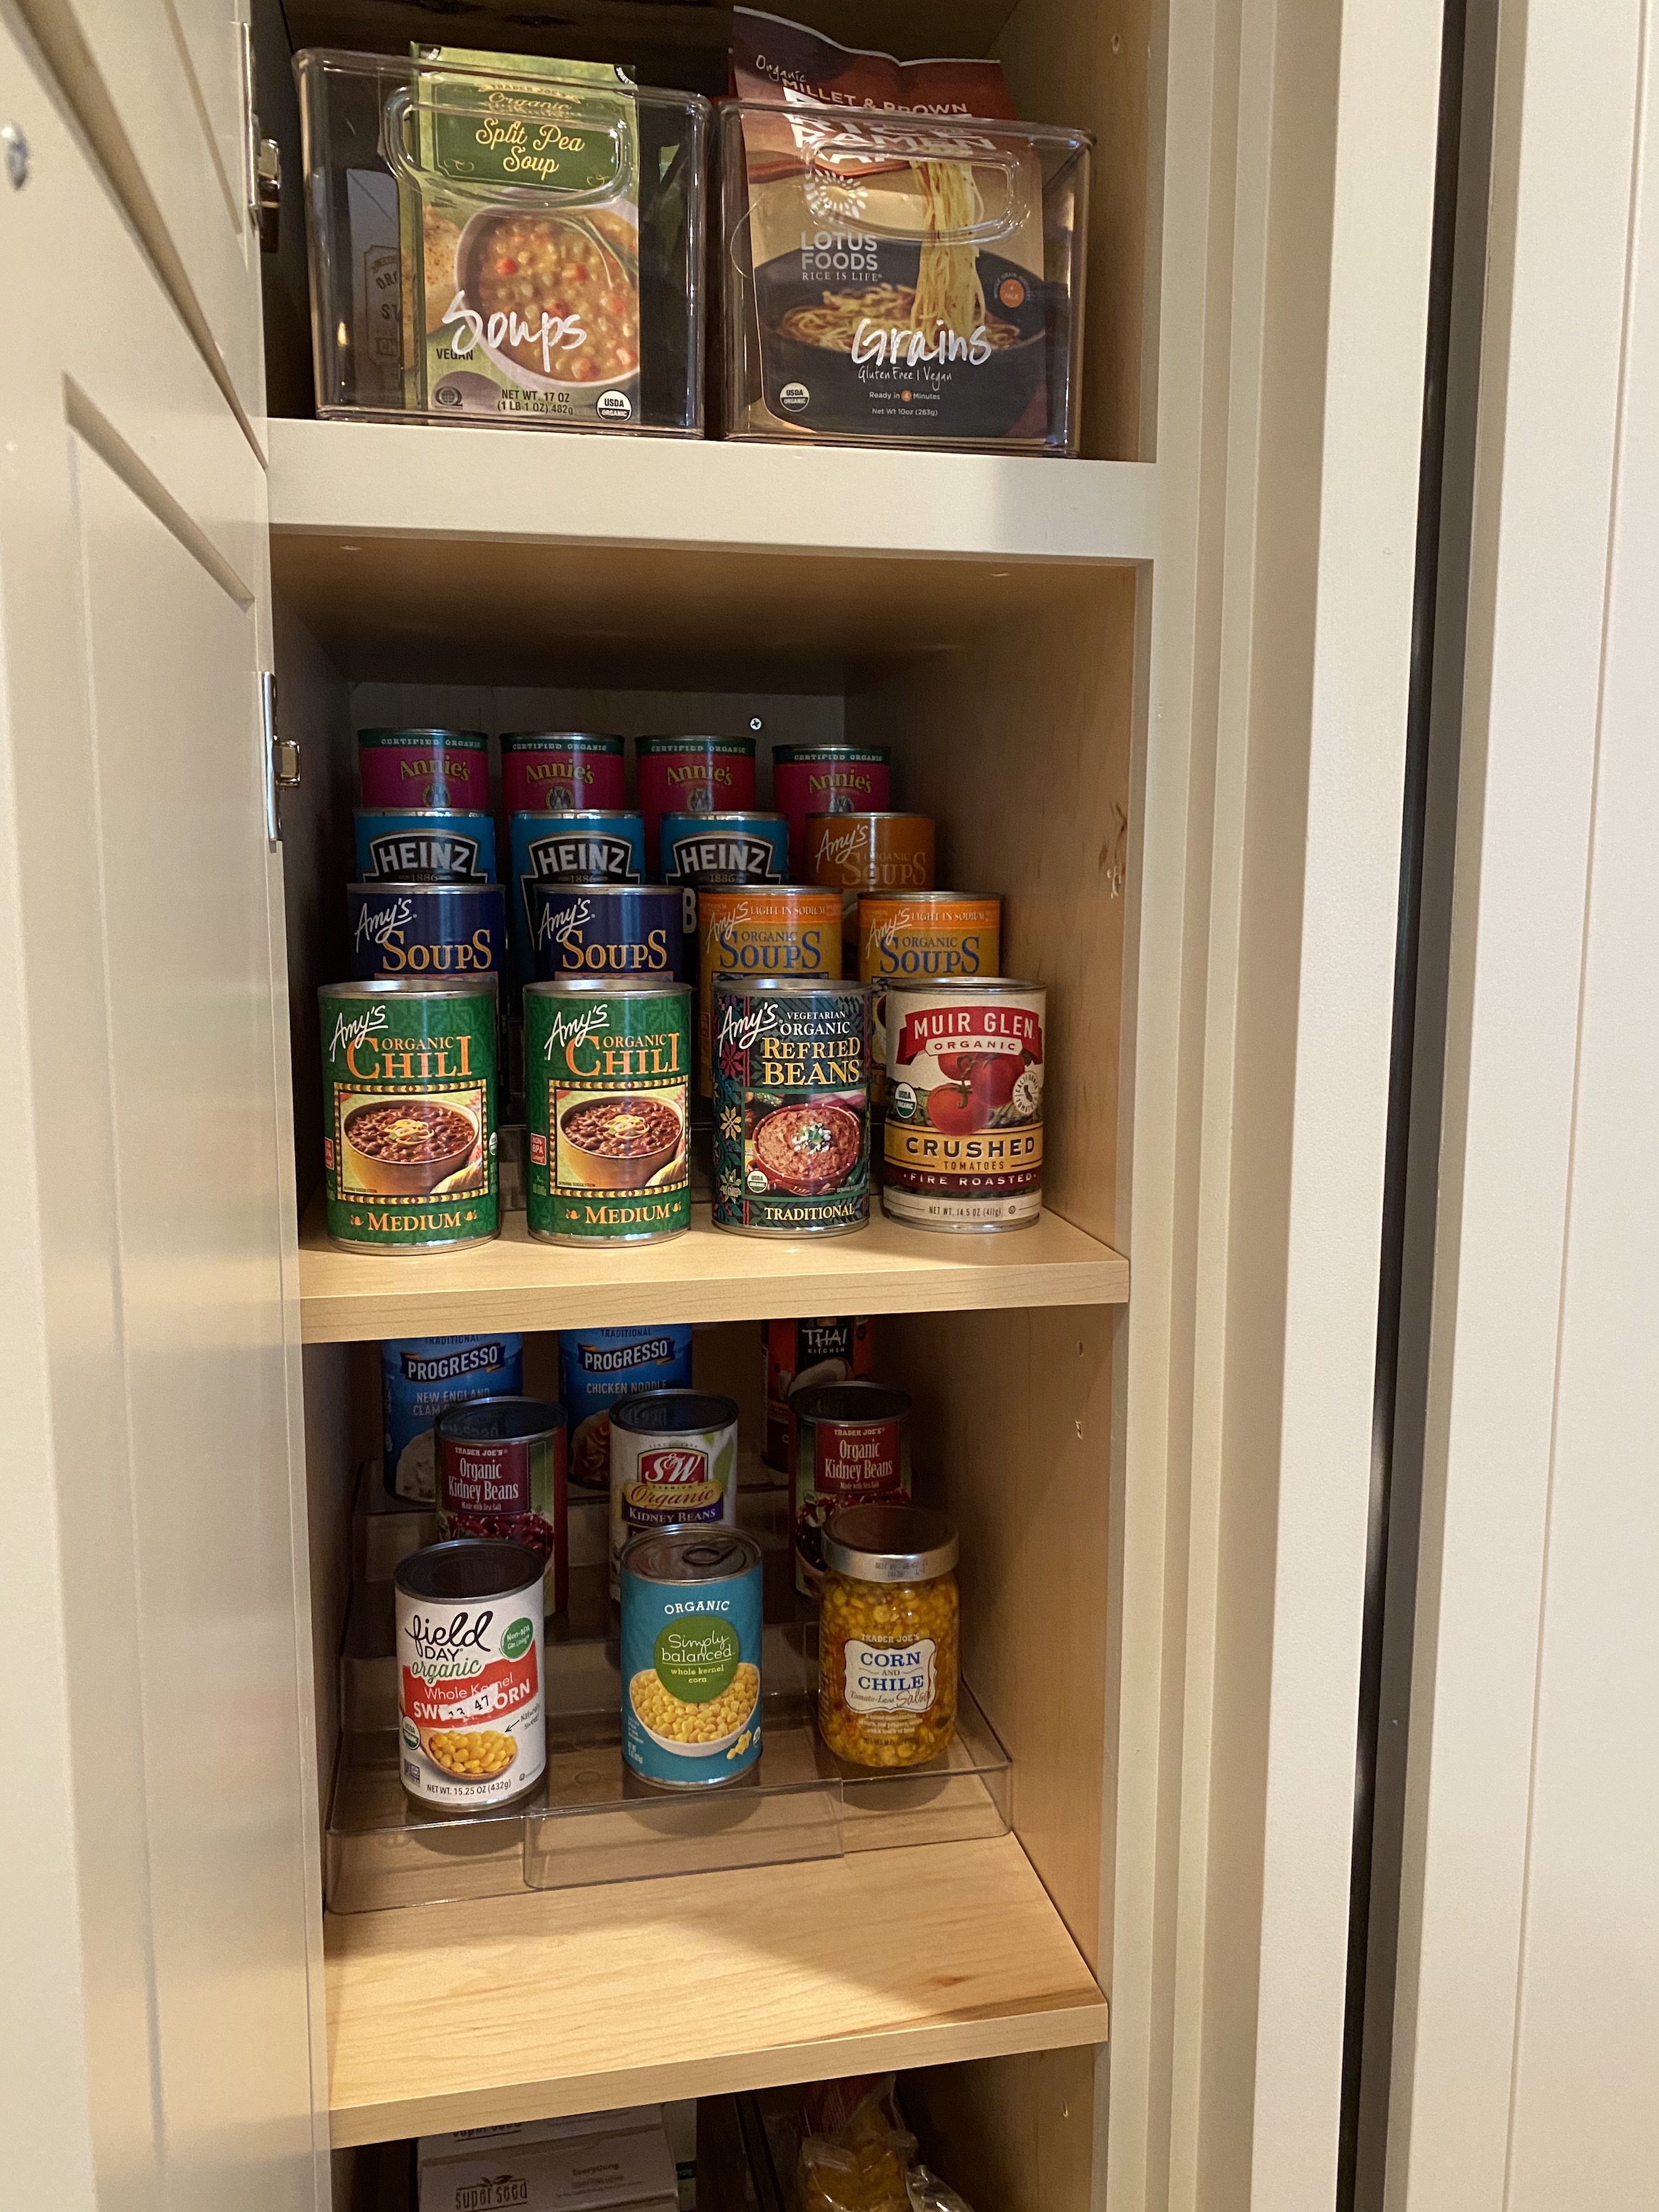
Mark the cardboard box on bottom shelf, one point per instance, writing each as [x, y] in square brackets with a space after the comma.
[590, 2162]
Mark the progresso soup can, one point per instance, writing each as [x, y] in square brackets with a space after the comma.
[556, 771]
[754, 930]
[791, 1106]
[426, 929]
[673, 1459]
[501, 1473]
[799, 1354]
[471, 1716]
[593, 846]
[691, 1626]
[424, 768]
[860, 853]
[597, 1366]
[689, 775]
[409, 1113]
[910, 936]
[962, 1144]
[424, 845]
[852, 1448]
[604, 929]
[826, 779]
[422, 1376]
[607, 1101]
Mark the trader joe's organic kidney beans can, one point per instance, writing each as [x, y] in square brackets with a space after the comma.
[501, 1474]
[471, 1722]
[962, 1145]
[852, 1448]
[673, 1459]
[692, 1655]
[424, 768]
[420, 1378]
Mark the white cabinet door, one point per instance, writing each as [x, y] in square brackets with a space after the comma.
[157, 1833]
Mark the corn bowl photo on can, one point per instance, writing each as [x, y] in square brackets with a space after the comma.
[673, 1460]
[607, 1101]
[472, 1719]
[791, 1107]
[691, 1603]
[961, 1142]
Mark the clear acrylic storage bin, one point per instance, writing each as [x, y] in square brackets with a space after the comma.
[909, 278]
[493, 243]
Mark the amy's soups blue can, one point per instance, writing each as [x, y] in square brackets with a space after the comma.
[422, 1376]
[424, 845]
[426, 929]
[604, 929]
[595, 845]
[691, 1656]
[597, 1366]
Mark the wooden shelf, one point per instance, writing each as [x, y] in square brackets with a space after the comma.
[463, 553]
[348, 1297]
[453, 2016]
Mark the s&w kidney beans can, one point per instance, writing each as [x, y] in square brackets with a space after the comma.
[559, 771]
[691, 1627]
[597, 1366]
[826, 779]
[673, 1460]
[607, 1103]
[409, 1113]
[426, 929]
[798, 1354]
[422, 1376]
[424, 845]
[689, 775]
[910, 936]
[852, 1448]
[472, 1719]
[424, 768]
[962, 1144]
[605, 929]
[760, 929]
[791, 1106]
[502, 1474]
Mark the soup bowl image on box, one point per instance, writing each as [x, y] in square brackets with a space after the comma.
[603, 930]
[597, 1366]
[690, 1656]
[472, 1719]
[673, 1460]
[424, 845]
[560, 771]
[420, 1377]
[607, 1101]
[424, 768]
[501, 1475]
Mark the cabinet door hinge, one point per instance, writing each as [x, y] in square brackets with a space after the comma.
[281, 759]
[263, 158]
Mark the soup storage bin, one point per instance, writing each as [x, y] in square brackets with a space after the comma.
[903, 278]
[491, 244]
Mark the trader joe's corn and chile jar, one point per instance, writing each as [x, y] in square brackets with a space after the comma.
[887, 1635]
[607, 1065]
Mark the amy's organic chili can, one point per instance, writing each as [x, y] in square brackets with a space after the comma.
[605, 929]
[673, 1463]
[754, 930]
[472, 1719]
[852, 1448]
[426, 929]
[913, 936]
[962, 1145]
[689, 775]
[591, 845]
[799, 1354]
[691, 1626]
[556, 771]
[827, 779]
[424, 768]
[424, 845]
[791, 1106]
[409, 1113]
[860, 853]
[607, 1078]
[502, 1474]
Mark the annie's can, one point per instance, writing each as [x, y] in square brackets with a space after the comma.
[962, 1145]
[689, 775]
[852, 1448]
[673, 1459]
[556, 771]
[424, 768]
[754, 930]
[691, 1626]
[791, 1106]
[501, 1473]
[607, 1099]
[427, 929]
[909, 936]
[593, 845]
[605, 929]
[423, 845]
[471, 1720]
[826, 779]
[861, 853]
[800, 1353]
[409, 1113]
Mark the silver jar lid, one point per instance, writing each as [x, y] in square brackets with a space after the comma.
[889, 1543]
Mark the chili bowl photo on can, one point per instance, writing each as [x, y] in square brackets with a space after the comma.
[961, 1139]
[910, 936]
[791, 1106]
[673, 1460]
[852, 1448]
[562, 771]
[691, 1626]
[607, 1105]
[422, 1376]
[689, 775]
[826, 779]
[424, 768]
[426, 929]
[593, 846]
[798, 1354]
[597, 1366]
[471, 1716]
[604, 930]
[423, 845]
[502, 1475]
[409, 1113]
[756, 930]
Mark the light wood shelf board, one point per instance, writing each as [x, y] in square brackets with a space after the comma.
[468, 2015]
[707, 1275]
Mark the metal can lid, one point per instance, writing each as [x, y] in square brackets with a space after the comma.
[565, 814]
[416, 986]
[604, 741]
[842, 816]
[789, 986]
[969, 986]
[378, 885]
[726, 814]
[889, 1543]
[554, 891]
[468, 1567]
[692, 1553]
[666, 1412]
[500, 1420]
[423, 814]
[848, 1402]
[928, 898]
[608, 986]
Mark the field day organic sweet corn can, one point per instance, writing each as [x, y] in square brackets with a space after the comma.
[691, 1656]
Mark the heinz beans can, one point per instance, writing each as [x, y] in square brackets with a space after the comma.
[829, 779]
[597, 1366]
[424, 768]
[691, 1626]
[607, 1100]
[604, 929]
[673, 1459]
[911, 936]
[752, 931]
[852, 1448]
[589, 847]
[424, 845]
[556, 771]
[409, 1113]
[501, 1474]
[420, 1377]
[471, 1722]
[962, 1145]
[689, 775]
[427, 929]
[791, 1106]
[800, 1353]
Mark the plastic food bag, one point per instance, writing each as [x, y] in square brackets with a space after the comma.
[927, 2193]
[865, 2176]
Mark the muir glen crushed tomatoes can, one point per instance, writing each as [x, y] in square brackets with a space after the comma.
[471, 1720]
[962, 1145]
[502, 1474]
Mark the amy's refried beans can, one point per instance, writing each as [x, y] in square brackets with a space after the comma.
[409, 1113]
[424, 768]
[605, 929]
[689, 775]
[791, 1106]
[826, 779]
[760, 929]
[852, 1448]
[962, 1144]
[607, 1101]
[691, 1627]
[673, 1463]
[559, 771]
[472, 1719]
[502, 1475]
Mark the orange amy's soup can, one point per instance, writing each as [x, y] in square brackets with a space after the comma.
[752, 930]
[860, 853]
[912, 937]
